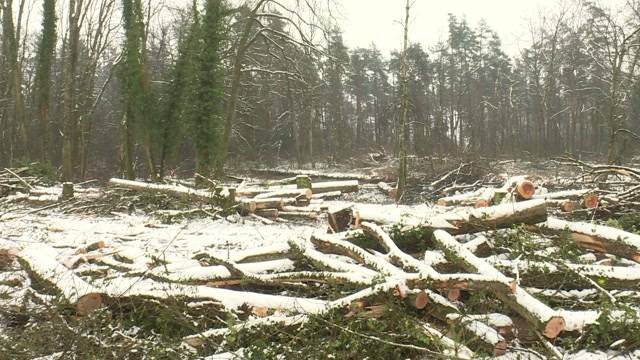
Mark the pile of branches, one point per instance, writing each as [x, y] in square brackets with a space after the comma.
[16, 180]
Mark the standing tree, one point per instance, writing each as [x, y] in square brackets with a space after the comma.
[209, 93]
[70, 128]
[14, 116]
[404, 109]
[136, 82]
[42, 82]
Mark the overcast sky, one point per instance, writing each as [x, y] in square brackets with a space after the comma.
[367, 21]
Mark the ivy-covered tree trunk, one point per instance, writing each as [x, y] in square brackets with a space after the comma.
[136, 82]
[207, 124]
[42, 82]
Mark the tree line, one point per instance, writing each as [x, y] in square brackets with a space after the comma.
[148, 88]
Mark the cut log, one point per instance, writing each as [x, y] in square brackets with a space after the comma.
[388, 189]
[319, 174]
[497, 217]
[564, 195]
[263, 253]
[180, 191]
[540, 315]
[327, 195]
[331, 263]
[569, 206]
[485, 198]
[525, 189]
[306, 193]
[299, 215]
[8, 252]
[252, 205]
[590, 201]
[502, 323]
[464, 199]
[597, 238]
[623, 277]
[229, 299]
[268, 213]
[331, 186]
[337, 245]
[39, 261]
[340, 218]
[520, 186]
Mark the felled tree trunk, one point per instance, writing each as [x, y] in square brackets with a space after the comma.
[498, 217]
[179, 191]
[40, 261]
[540, 315]
[598, 238]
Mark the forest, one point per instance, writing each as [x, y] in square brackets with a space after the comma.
[146, 89]
[228, 179]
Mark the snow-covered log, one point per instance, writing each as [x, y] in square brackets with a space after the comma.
[229, 299]
[464, 199]
[174, 190]
[598, 238]
[495, 342]
[203, 274]
[263, 253]
[500, 322]
[485, 198]
[293, 193]
[537, 313]
[327, 195]
[319, 174]
[497, 217]
[346, 186]
[613, 276]
[252, 205]
[337, 245]
[388, 189]
[452, 348]
[332, 263]
[40, 261]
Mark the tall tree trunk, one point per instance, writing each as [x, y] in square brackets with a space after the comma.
[45, 58]
[402, 170]
[70, 127]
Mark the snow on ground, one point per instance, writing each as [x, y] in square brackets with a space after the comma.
[148, 235]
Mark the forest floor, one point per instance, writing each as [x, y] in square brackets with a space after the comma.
[161, 273]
